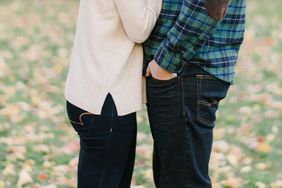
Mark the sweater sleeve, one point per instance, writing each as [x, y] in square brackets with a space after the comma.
[138, 17]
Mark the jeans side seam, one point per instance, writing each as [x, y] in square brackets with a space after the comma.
[198, 86]
[186, 137]
[108, 149]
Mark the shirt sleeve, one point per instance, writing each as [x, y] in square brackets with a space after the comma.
[138, 17]
[192, 29]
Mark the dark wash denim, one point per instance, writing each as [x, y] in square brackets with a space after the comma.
[107, 146]
[182, 114]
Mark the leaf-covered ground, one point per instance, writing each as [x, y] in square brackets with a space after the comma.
[39, 149]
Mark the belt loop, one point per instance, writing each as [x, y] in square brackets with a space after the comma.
[180, 71]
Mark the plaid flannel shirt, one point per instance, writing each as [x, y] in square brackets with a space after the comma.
[185, 33]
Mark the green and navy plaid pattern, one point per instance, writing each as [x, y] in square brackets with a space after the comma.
[185, 33]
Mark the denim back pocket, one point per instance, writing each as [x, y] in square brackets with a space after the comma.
[87, 124]
[210, 91]
[79, 118]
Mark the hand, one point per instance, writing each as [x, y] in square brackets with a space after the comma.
[156, 71]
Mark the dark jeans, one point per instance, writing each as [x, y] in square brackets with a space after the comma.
[182, 114]
[107, 146]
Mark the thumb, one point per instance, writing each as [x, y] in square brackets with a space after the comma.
[148, 71]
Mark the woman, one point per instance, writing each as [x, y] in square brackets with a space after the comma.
[104, 87]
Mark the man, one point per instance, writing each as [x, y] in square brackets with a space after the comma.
[189, 63]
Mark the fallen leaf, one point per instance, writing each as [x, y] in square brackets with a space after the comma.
[233, 182]
[42, 176]
[24, 178]
[263, 166]
[9, 170]
[260, 185]
[2, 184]
[246, 169]
[263, 147]
[277, 184]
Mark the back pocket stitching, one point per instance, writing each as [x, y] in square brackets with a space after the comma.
[80, 118]
[200, 101]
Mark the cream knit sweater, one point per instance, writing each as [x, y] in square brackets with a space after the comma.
[106, 57]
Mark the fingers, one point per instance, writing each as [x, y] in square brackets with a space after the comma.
[148, 71]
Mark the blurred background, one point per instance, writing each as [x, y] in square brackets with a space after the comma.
[39, 149]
